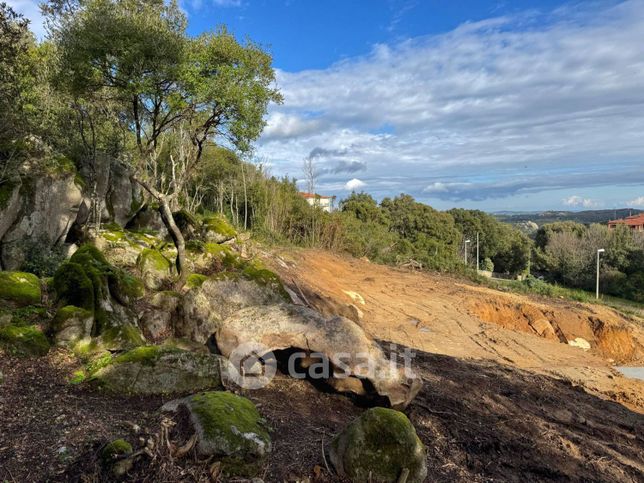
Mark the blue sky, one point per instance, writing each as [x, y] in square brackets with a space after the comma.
[496, 105]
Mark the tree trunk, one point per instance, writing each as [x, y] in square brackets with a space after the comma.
[173, 229]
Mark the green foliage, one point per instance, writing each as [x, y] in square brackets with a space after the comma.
[40, 258]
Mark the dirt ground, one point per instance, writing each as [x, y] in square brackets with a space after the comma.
[441, 314]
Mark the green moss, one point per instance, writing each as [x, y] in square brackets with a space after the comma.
[219, 225]
[78, 377]
[23, 341]
[216, 249]
[195, 280]
[98, 363]
[195, 246]
[122, 336]
[151, 258]
[73, 286]
[146, 355]
[231, 424]
[186, 221]
[27, 315]
[88, 253]
[115, 450]
[262, 276]
[125, 287]
[380, 445]
[20, 288]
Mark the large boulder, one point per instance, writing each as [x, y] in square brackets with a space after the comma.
[228, 427]
[380, 446]
[19, 289]
[158, 370]
[124, 196]
[156, 320]
[154, 268]
[204, 307]
[217, 229]
[23, 341]
[352, 356]
[72, 325]
[148, 218]
[49, 206]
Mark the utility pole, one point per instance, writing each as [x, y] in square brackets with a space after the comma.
[601, 250]
[477, 252]
[466, 242]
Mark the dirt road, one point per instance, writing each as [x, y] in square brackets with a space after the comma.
[441, 314]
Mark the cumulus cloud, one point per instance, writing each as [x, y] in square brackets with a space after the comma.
[354, 184]
[532, 100]
[30, 9]
[578, 201]
[639, 201]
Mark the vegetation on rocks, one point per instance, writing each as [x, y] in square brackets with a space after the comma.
[20, 288]
[23, 341]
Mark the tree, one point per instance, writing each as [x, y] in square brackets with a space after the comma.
[175, 94]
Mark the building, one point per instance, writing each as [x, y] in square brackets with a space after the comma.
[327, 203]
[635, 222]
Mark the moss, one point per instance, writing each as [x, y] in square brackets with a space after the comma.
[98, 363]
[122, 336]
[27, 315]
[195, 280]
[20, 288]
[231, 424]
[78, 377]
[153, 259]
[145, 355]
[216, 249]
[113, 236]
[219, 225]
[195, 246]
[23, 341]
[89, 254]
[73, 286]
[262, 276]
[115, 450]
[186, 221]
[125, 287]
[380, 445]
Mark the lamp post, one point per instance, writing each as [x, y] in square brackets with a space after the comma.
[599, 251]
[466, 242]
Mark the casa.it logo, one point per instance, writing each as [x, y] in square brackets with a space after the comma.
[251, 366]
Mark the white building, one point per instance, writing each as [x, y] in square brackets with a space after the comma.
[327, 203]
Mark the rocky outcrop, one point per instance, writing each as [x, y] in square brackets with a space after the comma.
[154, 268]
[206, 306]
[23, 341]
[228, 427]
[158, 370]
[381, 445]
[19, 289]
[352, 356]
[44, 210]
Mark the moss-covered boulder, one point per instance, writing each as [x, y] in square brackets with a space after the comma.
[116, 457]
[156, 320]
[228, 427]
[187, 223]
[26, 341]
[217, 229]
[71, 325]
[379, 446]
[155, 370]
[19, 288]
[154, 268]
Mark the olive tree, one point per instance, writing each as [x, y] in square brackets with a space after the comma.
[175, 93]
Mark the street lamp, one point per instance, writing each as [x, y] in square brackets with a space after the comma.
[466, 242]
[601, 250]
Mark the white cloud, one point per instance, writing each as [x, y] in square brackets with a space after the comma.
[354, 184]
[578, 201]
[639, 201]
[31, 10]
[228, 3]
[502, 104]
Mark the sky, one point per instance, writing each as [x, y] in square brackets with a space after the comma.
[495, 105]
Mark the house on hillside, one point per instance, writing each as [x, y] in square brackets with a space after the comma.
[327, 203]
[635, 222]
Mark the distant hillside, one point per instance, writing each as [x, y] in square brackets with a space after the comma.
[587, 217]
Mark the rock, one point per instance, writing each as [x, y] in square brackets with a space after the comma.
[148, 218]
[203, 308]
[339, 340]
[217, 229]
[24, 341]
[10, 203]
[124, 196]
[71, 325]
[155, 269]
[544, 328]
[48, 208]
[157, 321]
[580, 342]
[115, 457]
[187, 223]
[228, 427]
[379, 446]
[19, 289]
[158, 370]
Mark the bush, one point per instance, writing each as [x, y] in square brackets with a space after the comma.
[41, 259]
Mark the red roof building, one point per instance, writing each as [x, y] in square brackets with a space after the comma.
[327, 203]
[635, 222]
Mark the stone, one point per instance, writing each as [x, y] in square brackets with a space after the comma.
[49, 206]
[228, 427]
[10, 204]
[115, 457]
[204, 307]
[154, 268]
[71, 325]
[124, 196]
[158, 370]
[25, 341]
[156, 322]
[148, 218]
[19, 289]
[380, 445]
[217, 229]
[337, 339]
